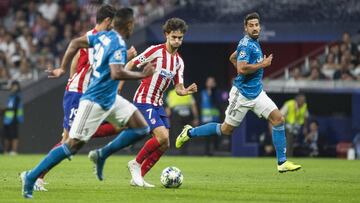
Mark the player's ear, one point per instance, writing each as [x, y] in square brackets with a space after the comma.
[166, 35]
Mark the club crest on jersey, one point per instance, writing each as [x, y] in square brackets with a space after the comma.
[242, 54]
[118, 55]
[142, 59]
[153, 121]
[166, 74]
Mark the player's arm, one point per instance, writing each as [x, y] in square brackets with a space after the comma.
[179, 82]
[129, 66]
[140, 60]
[182, 91]
[244, 68]
[232, 58]
[74, 46]
[74, 63]
[131, 53]
[118, 72]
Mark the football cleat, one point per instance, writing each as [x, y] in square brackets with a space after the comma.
[183, 137]
[146, 184]
[99, 163]
[288, 166]
[40, 185]
[135, 171]
[27, 186]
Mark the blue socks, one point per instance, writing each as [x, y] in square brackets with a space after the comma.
[54, 157]
[124, 139]
[279, 140]
[206, 130]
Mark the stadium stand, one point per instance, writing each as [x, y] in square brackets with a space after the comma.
[35, 33]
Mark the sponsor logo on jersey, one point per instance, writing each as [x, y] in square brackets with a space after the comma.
[167, 74]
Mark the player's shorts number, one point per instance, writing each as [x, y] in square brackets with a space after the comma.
[150, 112]
[73, 112]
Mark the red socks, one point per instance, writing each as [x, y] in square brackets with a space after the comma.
[150, 146]
[105, 130]
[151, 161]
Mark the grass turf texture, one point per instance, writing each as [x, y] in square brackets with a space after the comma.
[205, 180]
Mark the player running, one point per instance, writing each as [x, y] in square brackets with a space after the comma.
[80, 72]
[100, 101]
[148, 98]
[247, 94]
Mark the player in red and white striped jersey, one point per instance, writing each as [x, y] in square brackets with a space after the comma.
[169, 67]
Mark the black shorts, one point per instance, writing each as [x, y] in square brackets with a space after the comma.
[11, 131]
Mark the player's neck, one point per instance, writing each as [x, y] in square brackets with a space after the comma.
[99, 27]
[171, 50]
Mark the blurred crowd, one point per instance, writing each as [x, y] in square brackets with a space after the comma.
[340, 62]
[34, 33]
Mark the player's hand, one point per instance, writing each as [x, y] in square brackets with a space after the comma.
[54, 72]
[191, 89]
[131, 53]
[267, 61]
[148, 70]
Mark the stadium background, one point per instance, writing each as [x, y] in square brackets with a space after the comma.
[298, 35]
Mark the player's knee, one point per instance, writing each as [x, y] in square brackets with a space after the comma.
[163, 138]
[278, 120]
[165, 145]
[74, 145]
[226, 130]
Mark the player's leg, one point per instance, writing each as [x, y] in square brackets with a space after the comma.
[14, 139]
[266, 108]
[234, 114]
[124, 113]
[161, 135]
[40, 182]
[158, 121]
[89, 117]
[70, 106]
[7, 138]
[156, 146]
[106, 129]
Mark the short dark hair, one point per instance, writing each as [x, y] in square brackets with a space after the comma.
[174, 24]
[105, 11]
[123, 16]
[251, 16]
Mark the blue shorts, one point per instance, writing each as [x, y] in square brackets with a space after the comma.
[155, 116]
[70, 104]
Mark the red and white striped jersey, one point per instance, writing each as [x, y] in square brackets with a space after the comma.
[167, 68]
[80, 80]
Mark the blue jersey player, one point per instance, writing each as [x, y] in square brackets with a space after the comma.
[247, 94]
[100, 102]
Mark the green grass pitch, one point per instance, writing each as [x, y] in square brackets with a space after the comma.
[206, 179]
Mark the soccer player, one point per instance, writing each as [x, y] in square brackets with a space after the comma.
[100, 101]
[247, 94]
[148, 97]
[80, 72]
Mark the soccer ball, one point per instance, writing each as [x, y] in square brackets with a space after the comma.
[171, 177]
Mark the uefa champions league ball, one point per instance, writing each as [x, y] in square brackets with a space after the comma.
[171, 177]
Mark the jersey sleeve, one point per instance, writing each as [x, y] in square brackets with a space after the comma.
[179, 77]
[243, 52]
[118, 56]
[146, 56]
[92, 39]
